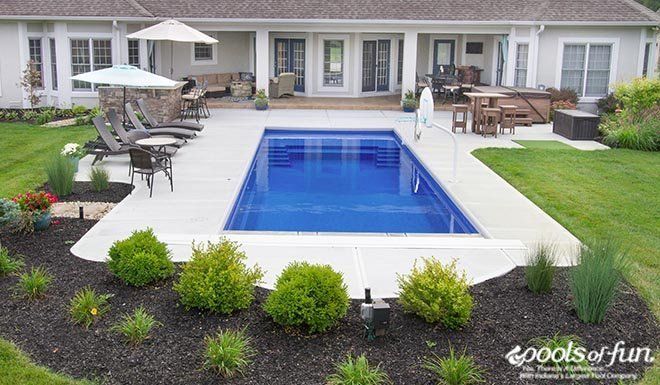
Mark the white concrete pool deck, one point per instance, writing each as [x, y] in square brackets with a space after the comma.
[209, 170]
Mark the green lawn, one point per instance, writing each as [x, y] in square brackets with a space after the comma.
[16, 369]
[544, 144]
[595, 194]
[25, 148]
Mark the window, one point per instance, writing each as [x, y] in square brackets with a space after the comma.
[520, 76]
[36, 57]
[586, 68]
[647, 59]
[333, 63]
[134, 53]
[399, 65]
[89, 55]
[474, 48]
[53, 64]
[203, 52]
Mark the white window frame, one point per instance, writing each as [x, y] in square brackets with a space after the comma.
[90, 41]
[139, 53]
[614, 59]
[526, 68]
[214, 53]
[346, 63]
[43, 74]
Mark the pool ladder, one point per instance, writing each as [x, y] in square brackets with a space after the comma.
[278, 156]
[388, 157]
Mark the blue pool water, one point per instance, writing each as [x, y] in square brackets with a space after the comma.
[329, 181]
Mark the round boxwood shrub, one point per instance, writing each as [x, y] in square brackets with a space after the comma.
[217, 279]
[140, 259]
[308, 295]
[436, 293]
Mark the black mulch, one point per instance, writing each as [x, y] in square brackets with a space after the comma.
[505, 315]
[83, 192]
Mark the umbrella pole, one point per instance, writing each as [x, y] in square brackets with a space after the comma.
[171, 59]
[124, 106]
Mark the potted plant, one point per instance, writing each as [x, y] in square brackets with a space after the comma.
[37, 207]
[409, 102]
[74, 152]
[261, 100]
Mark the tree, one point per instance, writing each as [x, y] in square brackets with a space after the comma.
[652, 4]
[31, 82]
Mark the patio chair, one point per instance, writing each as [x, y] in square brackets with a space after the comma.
[119, 129]
[282, 85]
[153, 123]
[180, 133]
[147, 164]
[108, 145]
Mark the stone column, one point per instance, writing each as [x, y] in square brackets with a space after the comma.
[408, 80]
[261, 72]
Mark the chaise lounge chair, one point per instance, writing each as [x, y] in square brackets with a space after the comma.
[110, 146]
[119, 129]
[180, 133]
[153, 123]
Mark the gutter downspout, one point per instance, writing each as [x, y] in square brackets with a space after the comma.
[535, 56]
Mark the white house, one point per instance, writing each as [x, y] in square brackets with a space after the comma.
[340, 48]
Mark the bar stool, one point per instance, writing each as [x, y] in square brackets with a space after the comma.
[508, 118]
[459, 117]
[490, 118]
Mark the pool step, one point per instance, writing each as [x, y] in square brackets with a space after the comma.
[278, 156]
[388, 157]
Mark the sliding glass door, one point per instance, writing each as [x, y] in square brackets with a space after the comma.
[375, 65]
[290, 57]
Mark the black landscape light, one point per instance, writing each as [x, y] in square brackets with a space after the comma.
[81, 212]
[375, 314]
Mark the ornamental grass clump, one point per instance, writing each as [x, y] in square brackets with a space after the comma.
[436, 293]
[140, 259]
[99, 178]
[35, 283]
[357, 371]
[228, 353]
[565, 349]
[87, 306]
[217, 279]
[61, 173]
[136, 327]
[308, 296]
[454, 369]
[8, 264]
[540, 270]
[595, 280]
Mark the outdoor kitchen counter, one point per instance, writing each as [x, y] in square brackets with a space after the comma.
[163, 102]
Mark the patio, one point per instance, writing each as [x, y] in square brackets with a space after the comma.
[209, 172]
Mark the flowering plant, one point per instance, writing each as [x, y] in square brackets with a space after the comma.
[35, 202]
[73, 150]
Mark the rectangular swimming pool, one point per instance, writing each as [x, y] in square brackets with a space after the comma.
[342, 181]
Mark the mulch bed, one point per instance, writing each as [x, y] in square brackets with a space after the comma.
[83, 192]
[506, 314]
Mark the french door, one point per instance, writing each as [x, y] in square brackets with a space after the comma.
[375, 65]
[443, 54]
[290, 57]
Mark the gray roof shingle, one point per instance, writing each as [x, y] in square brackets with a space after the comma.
[431, 10]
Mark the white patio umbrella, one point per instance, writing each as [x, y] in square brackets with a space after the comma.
[172, 30]
[125, 76]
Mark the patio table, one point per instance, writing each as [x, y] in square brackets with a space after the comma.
[475, 101]
[158, 144]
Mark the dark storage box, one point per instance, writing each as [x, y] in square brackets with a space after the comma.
[576, 124]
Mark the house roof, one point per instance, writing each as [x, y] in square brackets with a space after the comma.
[599, 11]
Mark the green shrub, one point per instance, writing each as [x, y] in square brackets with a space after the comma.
[594, 281]
[636, 132]
[454, 369]
[61, 174]
[436, 293]
[571, 364]
[9, 212]
[30, 115]
[540, 269]
[357, 371]
[228, 353]
[639, 95]
[45, 116]
[136, 327]
[35, 283]
[99, 177]
[564, 94]
[79, 110]
[217, 279]
[140, 259]
[11, 116]
[308, 295]
[8, 265]
[86, 306]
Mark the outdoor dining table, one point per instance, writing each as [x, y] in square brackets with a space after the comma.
[475, 101]
[158, 144]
